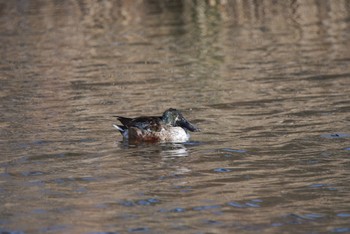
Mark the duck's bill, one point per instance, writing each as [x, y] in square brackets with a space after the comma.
[185, 124]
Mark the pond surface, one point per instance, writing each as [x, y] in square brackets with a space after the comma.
[267, 82]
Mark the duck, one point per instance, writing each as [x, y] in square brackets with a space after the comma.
[170, 127]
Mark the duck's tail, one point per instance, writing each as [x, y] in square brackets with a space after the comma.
[122, 129]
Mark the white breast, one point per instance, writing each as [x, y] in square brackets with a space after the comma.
[174, 134]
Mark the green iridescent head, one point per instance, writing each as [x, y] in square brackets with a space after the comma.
[174, 118]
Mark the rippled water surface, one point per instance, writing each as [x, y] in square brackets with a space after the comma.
[268, 83]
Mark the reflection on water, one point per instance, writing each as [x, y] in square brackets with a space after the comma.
[267, 83]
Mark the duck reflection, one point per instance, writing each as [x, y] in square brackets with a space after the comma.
[165, 150]
[173, 150]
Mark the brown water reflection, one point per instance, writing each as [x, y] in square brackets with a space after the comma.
[267, 82]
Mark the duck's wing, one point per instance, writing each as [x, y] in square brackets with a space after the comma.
[148, 123]
[124, 120]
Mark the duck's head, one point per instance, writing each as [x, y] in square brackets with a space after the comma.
[174, 118]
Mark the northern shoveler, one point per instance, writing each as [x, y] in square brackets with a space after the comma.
[170, 127]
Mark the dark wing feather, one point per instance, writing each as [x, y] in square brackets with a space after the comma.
[125, 121]
[151, 123]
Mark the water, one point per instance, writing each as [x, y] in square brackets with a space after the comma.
[267, 82]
